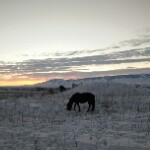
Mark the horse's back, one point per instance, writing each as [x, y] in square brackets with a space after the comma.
[84, 97]
[88, 95]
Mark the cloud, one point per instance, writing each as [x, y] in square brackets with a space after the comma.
[78, 74]
[50, 65]
[137, 42]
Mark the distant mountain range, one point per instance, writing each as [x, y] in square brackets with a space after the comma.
[141, 79]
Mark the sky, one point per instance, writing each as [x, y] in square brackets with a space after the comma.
[70, 39]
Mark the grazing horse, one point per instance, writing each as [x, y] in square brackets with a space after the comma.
[81, 98]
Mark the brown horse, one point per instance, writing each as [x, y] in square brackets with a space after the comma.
[81, 98]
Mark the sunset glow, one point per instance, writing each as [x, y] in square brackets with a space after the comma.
[19, 82]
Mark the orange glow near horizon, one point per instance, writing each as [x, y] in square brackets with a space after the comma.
[17, 81]
[10, 80]
[20, 82]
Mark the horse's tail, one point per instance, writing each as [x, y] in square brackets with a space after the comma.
[93, 104]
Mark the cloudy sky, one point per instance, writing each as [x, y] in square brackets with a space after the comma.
[46, 39]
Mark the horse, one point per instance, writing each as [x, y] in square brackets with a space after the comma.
[81, 98]
[62, 88]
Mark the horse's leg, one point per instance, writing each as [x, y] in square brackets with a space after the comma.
[74, 106]
[93, 105]
[89, 107]
[78, 106]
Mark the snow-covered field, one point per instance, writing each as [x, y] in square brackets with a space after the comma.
[121, 120]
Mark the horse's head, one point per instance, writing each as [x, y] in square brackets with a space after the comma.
[69, 106]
